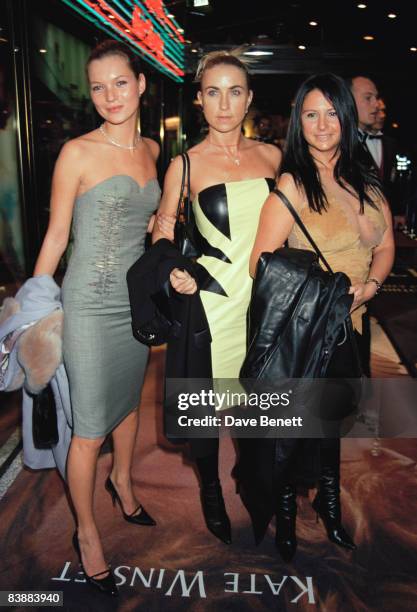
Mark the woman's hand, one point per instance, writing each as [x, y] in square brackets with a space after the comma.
[182, 281]
[362, 292]
[166, 224]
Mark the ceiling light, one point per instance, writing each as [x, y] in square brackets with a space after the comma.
[194, 50]
[258, 53]
[313, 23]
[368, 37]
[127, 30]
[362, 6]
[111, 16]
[301, 47]
[43, 50]
[395, 125]
[170, 15]
[392, 15]
[180, 30]
[413, 48]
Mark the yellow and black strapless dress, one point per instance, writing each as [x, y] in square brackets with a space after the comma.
[227, 218]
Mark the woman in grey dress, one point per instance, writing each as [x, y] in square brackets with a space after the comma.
[105, 184]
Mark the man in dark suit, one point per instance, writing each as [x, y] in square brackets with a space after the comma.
[385, 149]
[382, 149]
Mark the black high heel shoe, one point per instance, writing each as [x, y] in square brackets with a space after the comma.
[105, 585]
[215, 513]
[286, 514]
[143, 518]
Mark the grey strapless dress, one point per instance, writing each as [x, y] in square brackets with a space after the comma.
[105, 364]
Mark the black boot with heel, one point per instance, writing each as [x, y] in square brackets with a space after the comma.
[327, 501]
[215, 513]
[212, 502]
[286, 514]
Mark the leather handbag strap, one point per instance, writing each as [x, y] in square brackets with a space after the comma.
[188, 208]
[185, 181]
[301, 225]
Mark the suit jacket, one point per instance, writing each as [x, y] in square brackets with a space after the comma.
[389, 150]
[161, 315]
[387, 173]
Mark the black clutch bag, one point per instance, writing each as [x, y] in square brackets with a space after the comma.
[44, 421]
[185, 231]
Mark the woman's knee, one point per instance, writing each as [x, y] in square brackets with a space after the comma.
[86, 445]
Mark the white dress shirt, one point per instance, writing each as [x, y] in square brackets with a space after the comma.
[373, 142]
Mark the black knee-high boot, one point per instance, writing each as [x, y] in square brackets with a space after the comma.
[286, 513]
[327, 501]
[212, 500]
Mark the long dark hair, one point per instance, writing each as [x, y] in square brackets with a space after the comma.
[352, 170]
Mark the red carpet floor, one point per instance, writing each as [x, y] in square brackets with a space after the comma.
[178, 565]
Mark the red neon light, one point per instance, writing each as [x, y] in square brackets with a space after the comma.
[156, 7]
[141, 32]
[143, 29]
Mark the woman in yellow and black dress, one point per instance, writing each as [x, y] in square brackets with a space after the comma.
[231, 177]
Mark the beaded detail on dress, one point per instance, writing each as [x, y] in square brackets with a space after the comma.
[111, 214]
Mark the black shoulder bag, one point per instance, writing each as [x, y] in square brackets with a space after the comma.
[185, 230]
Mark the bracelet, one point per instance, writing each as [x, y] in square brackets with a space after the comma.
[377, 283]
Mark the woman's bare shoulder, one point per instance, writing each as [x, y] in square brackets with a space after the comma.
[153, 146]
[287, 184]
[196, 150]
[81, 144]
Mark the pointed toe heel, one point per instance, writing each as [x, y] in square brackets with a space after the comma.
[214, 510]
[107, 584]
[327, 507]
[141, 518]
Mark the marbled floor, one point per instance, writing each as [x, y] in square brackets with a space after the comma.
[178, 565]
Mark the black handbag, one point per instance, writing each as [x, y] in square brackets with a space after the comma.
[44, 420]
[185, 230]
[298, 315]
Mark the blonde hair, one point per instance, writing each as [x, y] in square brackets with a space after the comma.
[234, 57]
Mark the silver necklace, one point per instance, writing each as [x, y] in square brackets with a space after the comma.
[234, 159]
[117, 144]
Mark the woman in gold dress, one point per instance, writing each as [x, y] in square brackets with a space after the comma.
[340, 202]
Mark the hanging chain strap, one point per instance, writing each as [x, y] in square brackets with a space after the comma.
[301, 225]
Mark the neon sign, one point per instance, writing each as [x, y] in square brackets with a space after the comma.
[145, 26]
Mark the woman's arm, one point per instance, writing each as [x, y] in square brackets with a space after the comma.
[382, 261]
[167, 211]
[65, 184]
[181, 280]
[154, 151]
[275, 222]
